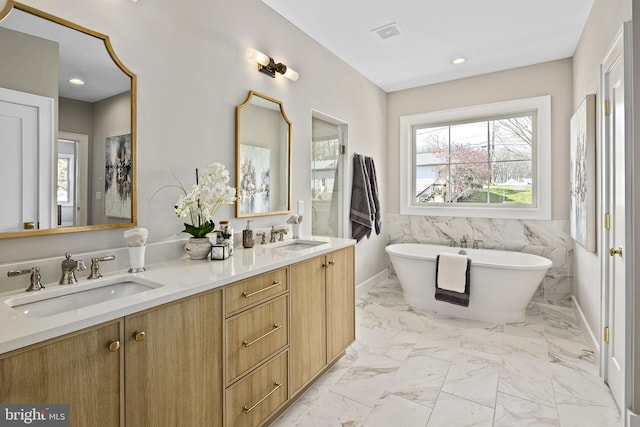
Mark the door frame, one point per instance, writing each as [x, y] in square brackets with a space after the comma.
[82, 176]
[346, 167]
[620, 48]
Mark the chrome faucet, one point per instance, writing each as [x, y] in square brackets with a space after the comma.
[280, 232]
[69, 268]
[36, 279]
[463, 242]
[95, 266]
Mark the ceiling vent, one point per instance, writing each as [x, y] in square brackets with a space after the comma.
[387, 31]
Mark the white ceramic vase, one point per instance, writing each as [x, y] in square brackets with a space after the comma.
[198, 247]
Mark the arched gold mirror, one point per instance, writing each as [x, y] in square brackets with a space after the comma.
[67, 127]
[263, 157]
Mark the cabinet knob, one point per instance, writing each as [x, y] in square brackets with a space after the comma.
[332, 262]
[139, 336]
[114, 346]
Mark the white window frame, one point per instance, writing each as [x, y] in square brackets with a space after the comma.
[540, 208]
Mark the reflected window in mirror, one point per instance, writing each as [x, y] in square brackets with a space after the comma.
[61, 157]
[263, 157]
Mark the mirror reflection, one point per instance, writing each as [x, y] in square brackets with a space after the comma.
[263, 157]
[67, 127]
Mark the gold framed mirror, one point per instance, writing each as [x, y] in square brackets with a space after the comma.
[263, 157]
[71, 151]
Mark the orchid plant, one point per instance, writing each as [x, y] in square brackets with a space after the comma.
[203, 200]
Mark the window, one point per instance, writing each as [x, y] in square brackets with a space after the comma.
[486, 161]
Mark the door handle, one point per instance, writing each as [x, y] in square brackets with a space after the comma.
[615, 251]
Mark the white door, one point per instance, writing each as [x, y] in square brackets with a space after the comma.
[18, 165]
[614, 247]
[26, 163]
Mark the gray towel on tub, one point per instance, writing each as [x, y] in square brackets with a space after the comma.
[458, 298]
[360, 213]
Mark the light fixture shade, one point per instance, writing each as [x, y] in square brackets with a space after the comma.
[291, 74]
[258, 56]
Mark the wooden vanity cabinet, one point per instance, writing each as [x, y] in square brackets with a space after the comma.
[322, 314]
[173, 363]
[160, 367]
[170, 366]
[77, 369]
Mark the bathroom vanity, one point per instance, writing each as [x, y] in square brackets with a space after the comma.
[212, 343]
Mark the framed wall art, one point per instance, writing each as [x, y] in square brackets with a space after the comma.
[582, 177]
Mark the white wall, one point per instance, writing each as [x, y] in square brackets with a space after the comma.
[604, 22]
[192, 72]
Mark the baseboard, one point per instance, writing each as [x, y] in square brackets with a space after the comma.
[371, 283]
[633, 419]
[595, 342]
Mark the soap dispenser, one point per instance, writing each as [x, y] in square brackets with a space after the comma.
[247, 236]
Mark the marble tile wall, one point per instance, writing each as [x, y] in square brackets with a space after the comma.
[549, 239]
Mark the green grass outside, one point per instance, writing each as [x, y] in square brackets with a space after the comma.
[519, 194]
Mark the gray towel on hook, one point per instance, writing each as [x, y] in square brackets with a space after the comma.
[375, 196]
[360, 213]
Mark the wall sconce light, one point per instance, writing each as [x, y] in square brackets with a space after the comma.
[267, 65]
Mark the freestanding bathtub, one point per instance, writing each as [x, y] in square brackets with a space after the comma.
[501, 283]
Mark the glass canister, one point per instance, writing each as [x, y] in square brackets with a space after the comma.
[225, 235]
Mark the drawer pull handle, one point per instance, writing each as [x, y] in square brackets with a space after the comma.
[275, 284]
[250, 343]
[276, 386]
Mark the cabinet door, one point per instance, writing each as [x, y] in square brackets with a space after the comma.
[341, 330]
[308, 345]
[173, 365]
[78, 370]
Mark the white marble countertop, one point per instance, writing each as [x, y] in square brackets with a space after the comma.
[179, 278]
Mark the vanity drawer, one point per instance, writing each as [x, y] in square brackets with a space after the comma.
[252, 291]
[254, 335]
[254, 398]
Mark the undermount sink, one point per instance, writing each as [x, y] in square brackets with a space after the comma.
[298, 244]
[72, 297]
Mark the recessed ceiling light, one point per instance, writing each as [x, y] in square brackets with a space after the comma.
[76, 81]
[458, 61]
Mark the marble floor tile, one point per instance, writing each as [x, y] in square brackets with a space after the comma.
[528, 379]
[419, 380]
[452, 411]
[572, 354]
[334, 410]
[393, 410]
[526, 348]
[576, 385]
[576, 413]
[291, 415]
[473, 378]
[414, 368]
[366, 379]
[512, 411]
